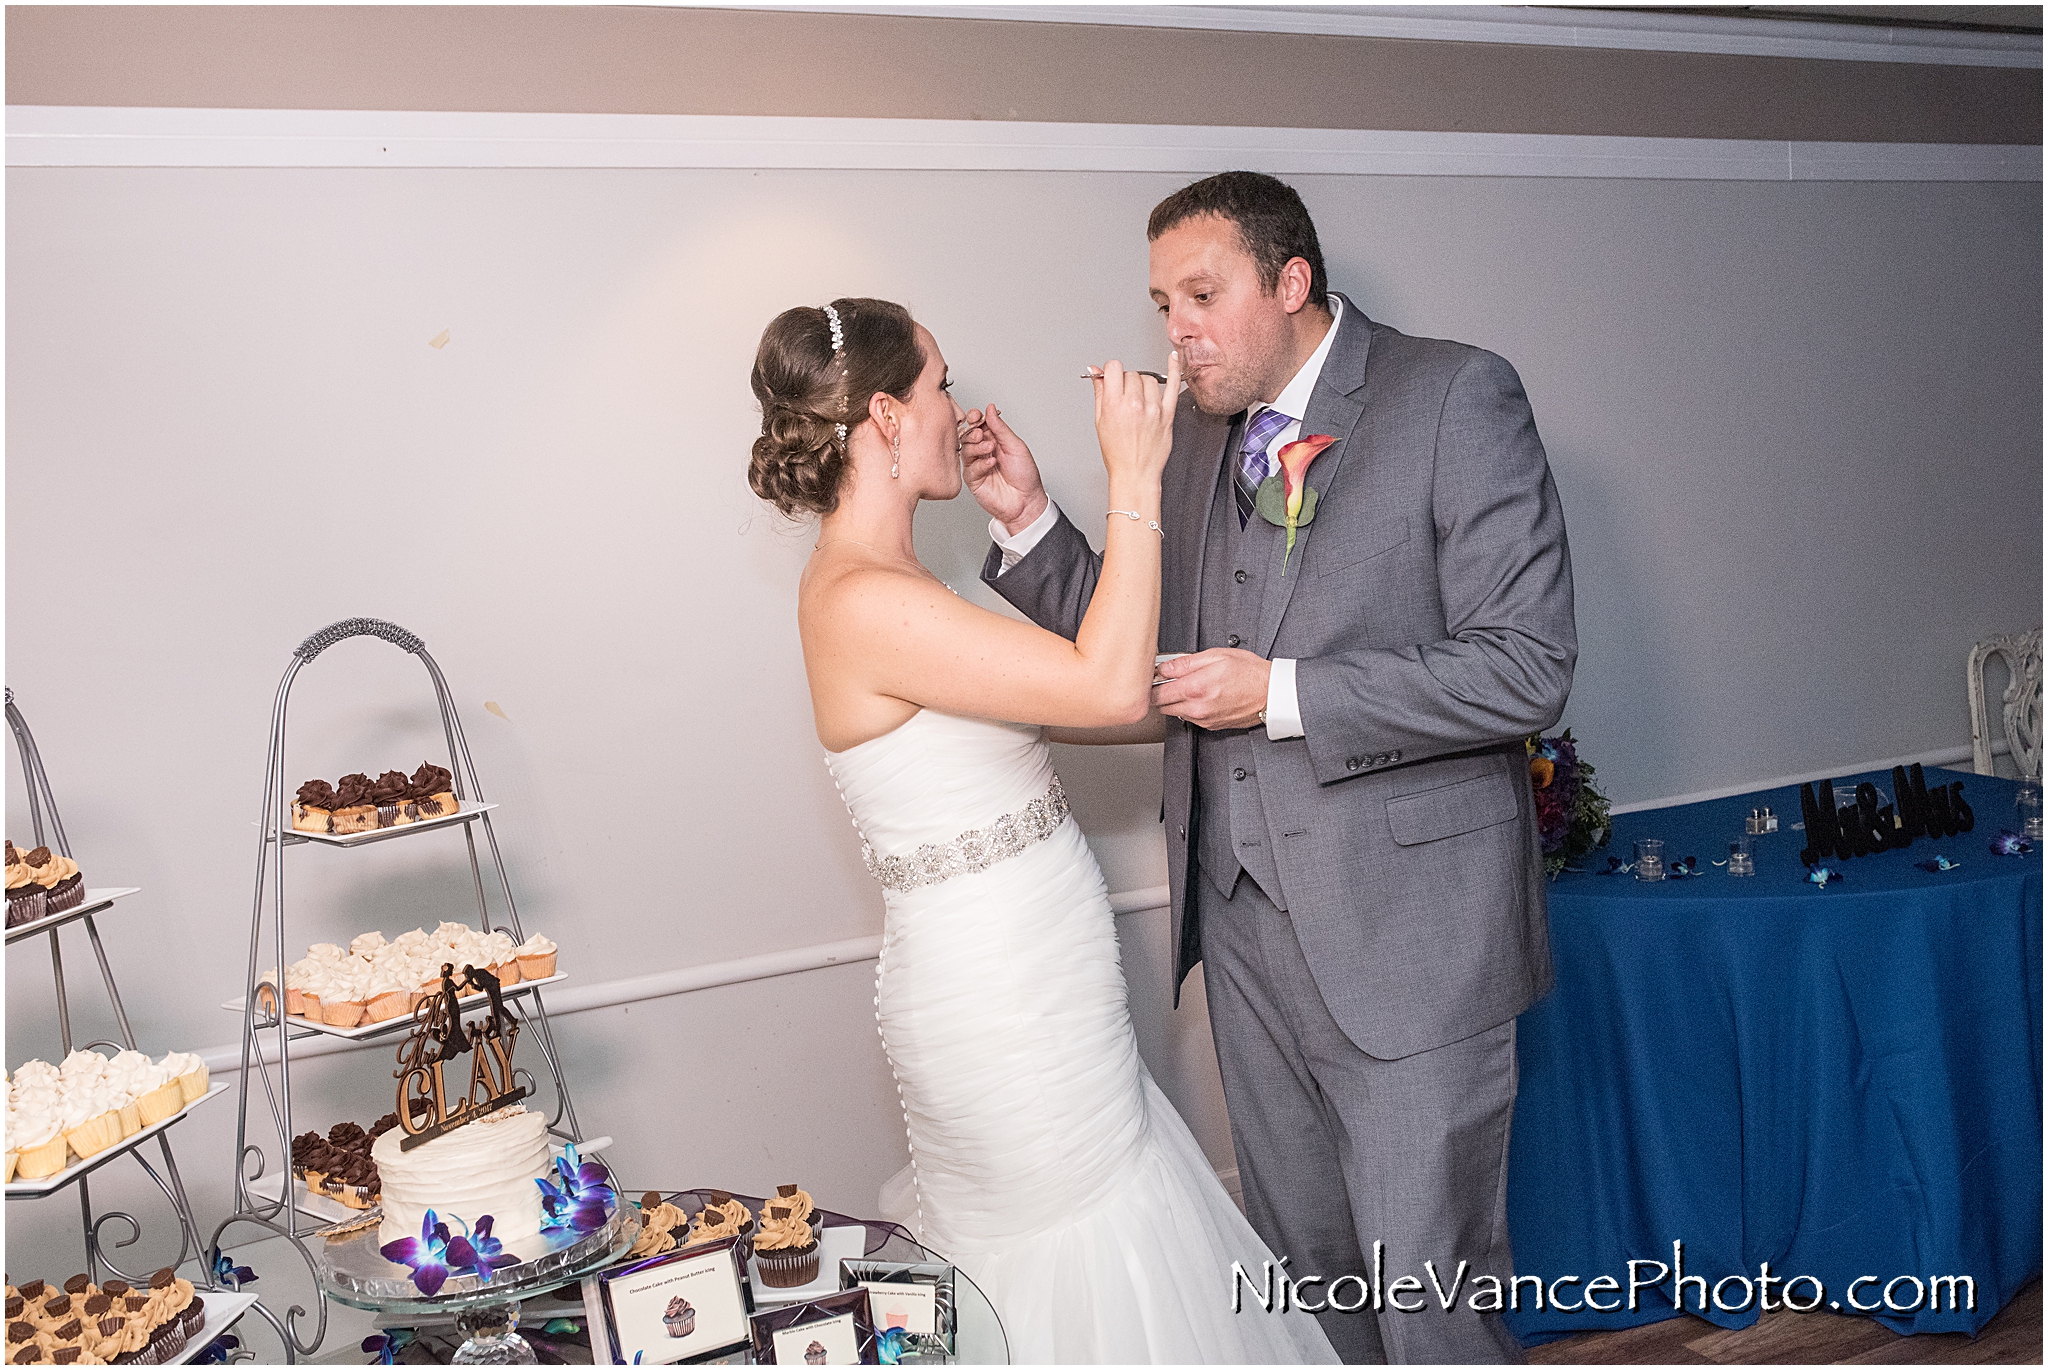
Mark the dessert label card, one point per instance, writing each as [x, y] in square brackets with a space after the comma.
[912, 1307]
[831, 1342]
[833, 1330]
[681, 1306]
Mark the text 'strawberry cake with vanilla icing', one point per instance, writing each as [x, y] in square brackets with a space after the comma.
[486, 1167]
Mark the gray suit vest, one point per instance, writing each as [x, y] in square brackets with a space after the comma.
[1232, 829]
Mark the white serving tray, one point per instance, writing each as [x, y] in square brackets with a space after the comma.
[402, 1023]
[50, 1184]
[223, 1310]
[469, 812]
[96, 901]
[835, 1244]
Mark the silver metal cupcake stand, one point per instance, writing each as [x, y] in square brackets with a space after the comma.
[266, 1199]
[223, 1307]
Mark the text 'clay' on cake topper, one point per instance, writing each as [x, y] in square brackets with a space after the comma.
[425, 1106]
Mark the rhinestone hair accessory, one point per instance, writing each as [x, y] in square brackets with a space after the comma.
[839, 351]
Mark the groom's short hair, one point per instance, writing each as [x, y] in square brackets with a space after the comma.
[1271, 220]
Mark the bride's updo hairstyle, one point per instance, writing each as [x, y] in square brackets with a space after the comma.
[814, 383]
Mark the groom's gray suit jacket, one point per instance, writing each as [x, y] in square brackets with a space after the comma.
[1429, 606]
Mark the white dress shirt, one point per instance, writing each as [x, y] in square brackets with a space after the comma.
[1283, 704]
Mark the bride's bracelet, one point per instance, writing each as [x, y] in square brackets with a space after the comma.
[1134, 516]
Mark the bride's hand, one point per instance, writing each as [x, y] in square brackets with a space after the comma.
[1134, 420]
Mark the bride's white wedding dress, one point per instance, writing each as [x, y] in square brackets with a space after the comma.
[1044, 1160]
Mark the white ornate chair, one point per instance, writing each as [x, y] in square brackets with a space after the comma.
[2022, 713]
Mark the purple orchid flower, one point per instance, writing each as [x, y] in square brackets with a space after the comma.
[490, 1254]
[427, 1254]
[1937, 865]
[582, 1201]
[2010, 843]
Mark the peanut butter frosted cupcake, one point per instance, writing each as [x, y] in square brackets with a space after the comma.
[26, 900]
[786, 1248]
[63, 886]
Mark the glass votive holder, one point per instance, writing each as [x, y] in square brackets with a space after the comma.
[2028, 803]
[1742, 856]
[1649, 858]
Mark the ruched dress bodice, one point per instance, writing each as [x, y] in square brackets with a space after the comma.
[1044, 1160]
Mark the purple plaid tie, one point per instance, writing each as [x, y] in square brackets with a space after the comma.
[1253, 465]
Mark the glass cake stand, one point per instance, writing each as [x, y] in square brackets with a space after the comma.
[354, 1272]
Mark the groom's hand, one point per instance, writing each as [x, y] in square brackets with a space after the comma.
[1220, 688]
[1000, 471]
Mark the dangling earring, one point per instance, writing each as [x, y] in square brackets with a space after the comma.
[896, 457]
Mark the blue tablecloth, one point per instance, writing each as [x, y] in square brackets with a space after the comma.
[1842, 1082]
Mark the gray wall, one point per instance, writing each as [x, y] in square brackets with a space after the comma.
[1796, 429]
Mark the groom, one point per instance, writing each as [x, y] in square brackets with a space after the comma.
[1351, 838]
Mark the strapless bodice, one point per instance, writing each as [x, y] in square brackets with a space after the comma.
[939, 775]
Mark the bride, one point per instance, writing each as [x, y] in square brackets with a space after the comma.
[1044, 1160]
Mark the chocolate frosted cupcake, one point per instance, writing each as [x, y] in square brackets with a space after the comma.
[26, 900]
[679, 1318]
[786, 1248]
[392, 796]
[353, 811]
[313, 811]
[432, 791]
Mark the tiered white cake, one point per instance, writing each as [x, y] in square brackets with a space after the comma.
[485, 1167]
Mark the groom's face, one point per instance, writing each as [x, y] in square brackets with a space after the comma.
[1232, 334]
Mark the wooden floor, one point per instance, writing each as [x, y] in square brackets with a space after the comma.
[1817, 1338]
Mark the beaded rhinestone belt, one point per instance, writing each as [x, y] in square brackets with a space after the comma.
[974, 850]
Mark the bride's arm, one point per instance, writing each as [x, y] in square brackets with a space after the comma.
[1152, 728]
[901, 634]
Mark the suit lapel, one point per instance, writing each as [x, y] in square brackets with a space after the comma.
[1188, 507]
[1334, 408]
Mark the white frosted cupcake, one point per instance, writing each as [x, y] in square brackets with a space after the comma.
[37, 1134]
[162, 1097]
[389, 994]
[189, 1072]
[91, 1119]
[536, 957]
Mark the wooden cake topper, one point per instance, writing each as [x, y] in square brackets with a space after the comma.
[425, 1109]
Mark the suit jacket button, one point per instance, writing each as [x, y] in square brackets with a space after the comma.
[1351, 763]
[1237, 774]
[1240, 577]
[1234, 639]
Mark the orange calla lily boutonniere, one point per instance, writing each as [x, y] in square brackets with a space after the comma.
[1285, 500]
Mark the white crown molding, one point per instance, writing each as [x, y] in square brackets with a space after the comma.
[1534, 25]
[96, 136]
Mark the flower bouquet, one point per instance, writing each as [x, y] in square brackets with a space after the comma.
[1571, 815]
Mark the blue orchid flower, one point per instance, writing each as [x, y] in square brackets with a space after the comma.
[889, 1345]
[217, 1351]
[1821, 875]
[386, 1345]
[2010, 843]
[228, 1275]
[430, 1255]
[583, 1200]
[488, 1252]
[1938, 865]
